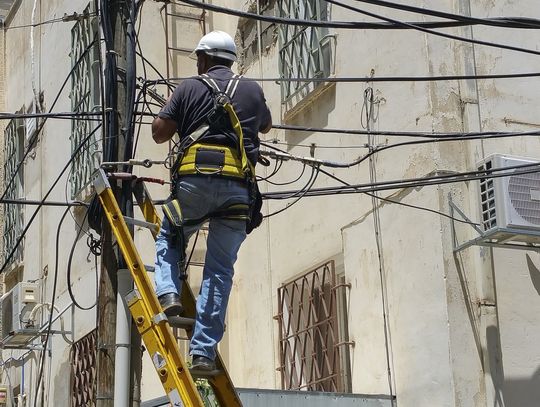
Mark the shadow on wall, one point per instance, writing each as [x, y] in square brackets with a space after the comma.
[534, 272]
[314, 113]
[510, 392]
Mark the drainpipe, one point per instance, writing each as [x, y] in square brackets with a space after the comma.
[122, 366]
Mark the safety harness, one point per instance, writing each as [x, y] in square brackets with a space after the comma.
[212, 159]
[197, 157]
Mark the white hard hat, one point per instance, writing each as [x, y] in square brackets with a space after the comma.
[218, 44]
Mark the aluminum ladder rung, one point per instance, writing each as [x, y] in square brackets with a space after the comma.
[204, 374]
[142, 223]
[181, 322]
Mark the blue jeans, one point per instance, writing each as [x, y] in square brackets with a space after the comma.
[198, 196]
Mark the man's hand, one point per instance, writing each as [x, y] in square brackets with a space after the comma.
[163, 129]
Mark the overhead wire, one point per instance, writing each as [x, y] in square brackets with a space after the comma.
[52, 308]
[433, 32]
[453, 177]
[515, 22]
[67, 18]
[299, 194]
[505, 22]
[8, 258]
[431, 134]
[366, 79]
[69, 267]
[32, 142]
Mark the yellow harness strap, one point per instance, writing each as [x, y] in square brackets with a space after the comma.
[211, 159]
[226, 163]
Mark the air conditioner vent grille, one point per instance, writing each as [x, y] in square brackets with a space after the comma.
[487, 194]
[520, 190]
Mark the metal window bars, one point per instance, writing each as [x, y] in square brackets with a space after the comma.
[83, 371]
[310, 344]
[14, 138]
[85, 97]
[305, 52]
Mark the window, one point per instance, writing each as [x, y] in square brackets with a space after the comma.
[14, 137]
[305, 52]
[313, 338]
[85, 97]
[83, 371]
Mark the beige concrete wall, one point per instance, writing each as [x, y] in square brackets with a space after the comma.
[51, 153]
[442, 343]
[455, 327]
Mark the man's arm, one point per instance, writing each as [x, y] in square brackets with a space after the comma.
[163, 129]
[267, 127]
[267, 123]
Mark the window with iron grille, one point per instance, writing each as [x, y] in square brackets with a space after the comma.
[313, 338]
[83, 371]
[85, 97]
[305, 52]
[14, 137]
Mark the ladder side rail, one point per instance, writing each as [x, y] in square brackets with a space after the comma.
[147, 312]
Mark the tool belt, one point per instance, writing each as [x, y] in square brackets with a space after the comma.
[211, 159]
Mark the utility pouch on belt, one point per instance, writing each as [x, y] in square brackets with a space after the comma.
[174, 213]
[212, 160]
[255, 216]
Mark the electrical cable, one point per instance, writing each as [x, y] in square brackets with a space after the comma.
[65, 19]
[44, 199]
[432, 32]
[413, 182]
[289, 182]
[366, 79]
[300, 195]
[514, 23]
[317, 146]
[328, 174]
[70, 260]
[379, 149]
[431, 134]
[422, 208]
[277, 167]
[42, 124]
[51, 312]
[50, 115]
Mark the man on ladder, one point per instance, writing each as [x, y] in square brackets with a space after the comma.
[218, 116]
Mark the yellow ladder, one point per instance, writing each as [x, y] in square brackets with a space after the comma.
[151, 322]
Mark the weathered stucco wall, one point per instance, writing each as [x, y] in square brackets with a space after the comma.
[461, 328]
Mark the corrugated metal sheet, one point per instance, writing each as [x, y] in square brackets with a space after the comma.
[282, 398]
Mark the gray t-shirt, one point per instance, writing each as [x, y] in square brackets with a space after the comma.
[192, 100]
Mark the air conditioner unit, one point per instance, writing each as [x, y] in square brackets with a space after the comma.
[15, 308]
[4, 395]
[510, 205]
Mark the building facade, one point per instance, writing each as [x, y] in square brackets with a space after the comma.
[364, 292]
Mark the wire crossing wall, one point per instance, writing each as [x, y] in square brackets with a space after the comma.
[85, 97]
[14, 137]
[309, 343]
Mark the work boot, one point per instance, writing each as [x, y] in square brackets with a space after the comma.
[171, 304]
[202, 363]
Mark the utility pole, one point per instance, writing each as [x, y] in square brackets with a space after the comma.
[117, 17]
